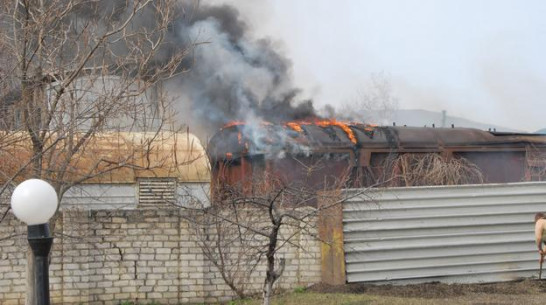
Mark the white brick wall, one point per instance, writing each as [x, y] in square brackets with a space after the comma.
[108, 256]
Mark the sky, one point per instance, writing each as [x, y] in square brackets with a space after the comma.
[482, 60]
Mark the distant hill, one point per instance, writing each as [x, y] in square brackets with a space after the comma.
[420, 118]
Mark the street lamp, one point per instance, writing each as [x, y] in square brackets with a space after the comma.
[34, 202]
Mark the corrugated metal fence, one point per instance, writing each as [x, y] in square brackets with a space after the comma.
[474, 233]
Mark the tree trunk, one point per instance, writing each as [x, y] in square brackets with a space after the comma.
[271, 274]
[268, 288]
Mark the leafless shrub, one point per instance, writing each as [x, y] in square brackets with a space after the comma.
[246, 232]
[536, 164]
[413, 169]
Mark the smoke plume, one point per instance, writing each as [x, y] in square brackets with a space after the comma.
[227, 75]
[232, 76]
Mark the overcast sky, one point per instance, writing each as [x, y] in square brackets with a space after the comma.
[482, 60]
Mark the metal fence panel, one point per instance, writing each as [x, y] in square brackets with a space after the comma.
[471, 233]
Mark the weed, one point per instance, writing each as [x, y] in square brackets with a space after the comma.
[300, 289]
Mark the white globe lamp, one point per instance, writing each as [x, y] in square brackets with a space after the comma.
[34, 202]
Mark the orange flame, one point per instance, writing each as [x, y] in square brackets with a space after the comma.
[233, 123]
[295, 126]
[348, 131]
[325, 123]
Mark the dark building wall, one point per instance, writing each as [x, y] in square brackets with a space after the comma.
[333, 161]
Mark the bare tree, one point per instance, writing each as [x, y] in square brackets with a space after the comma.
[250, 226]
[374, 102]
[77, 72]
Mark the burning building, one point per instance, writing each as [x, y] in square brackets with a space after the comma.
[326, 154]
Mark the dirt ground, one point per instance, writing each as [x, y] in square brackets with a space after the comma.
[519, 292]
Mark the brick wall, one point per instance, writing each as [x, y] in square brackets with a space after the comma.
[110, 256]
[13, 247]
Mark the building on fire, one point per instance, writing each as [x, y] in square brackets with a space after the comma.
[323, 153]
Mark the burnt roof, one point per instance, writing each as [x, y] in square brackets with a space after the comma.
[270, 139]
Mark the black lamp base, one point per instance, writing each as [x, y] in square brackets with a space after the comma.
[40, 241]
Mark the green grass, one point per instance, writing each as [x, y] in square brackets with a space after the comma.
[133, 303]
[313, 298]
[299, 290]
[299, 297]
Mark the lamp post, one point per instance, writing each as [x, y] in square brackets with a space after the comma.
[34, 202]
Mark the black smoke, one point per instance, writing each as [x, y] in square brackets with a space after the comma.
[232, 75]
[226, 75]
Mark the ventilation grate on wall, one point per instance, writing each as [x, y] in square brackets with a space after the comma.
[156, 191]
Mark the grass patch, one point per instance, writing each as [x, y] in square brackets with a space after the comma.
[526, 292]
[314, 298]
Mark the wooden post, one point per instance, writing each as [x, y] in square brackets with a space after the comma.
[330, 229]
